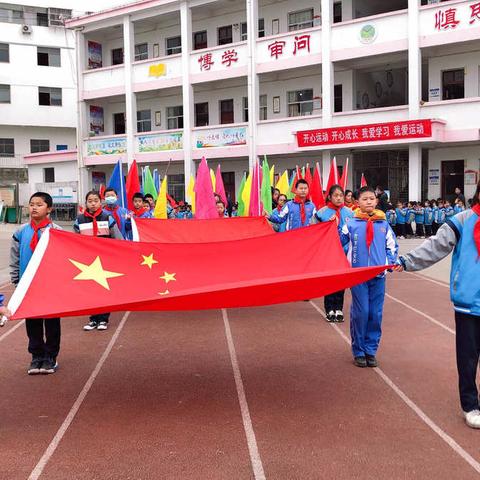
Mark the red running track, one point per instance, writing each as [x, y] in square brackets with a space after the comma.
[166, 402]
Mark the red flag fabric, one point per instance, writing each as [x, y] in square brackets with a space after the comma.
[219, 187]
[172, 201]
[101, 191]
[87, 275]
[316, 190]
[333, 176]
[254, 209]
[344, 177]
[363, 181]
[298, 176]
[204, 200]
[308, 176]
[132, 184]
[199, 231]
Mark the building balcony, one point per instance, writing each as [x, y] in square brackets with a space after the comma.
[224, 141]
[156, 73]
[103, 82]
[159, 146]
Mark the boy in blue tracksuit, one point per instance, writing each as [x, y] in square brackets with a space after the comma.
[460, 234]
[438, 217]
[120, 215]
[428, 210]
[370, 242]
[401, 214]
[43, 334]
[410, 218]
[391, 217]
[449, 212]
[296, 213]
[141, 207]
[419, 221]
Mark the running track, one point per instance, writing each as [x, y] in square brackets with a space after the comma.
[264, 393]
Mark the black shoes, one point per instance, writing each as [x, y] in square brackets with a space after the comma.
[35, 366]
[360, 362]
[371, 361]
[49, 365]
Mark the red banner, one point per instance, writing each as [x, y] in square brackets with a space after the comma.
[199, 231]
[375, 132]
[71, 275]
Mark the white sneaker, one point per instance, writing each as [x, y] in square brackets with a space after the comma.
[102, 326]
[339, 316]
[90, 326]
[331, 316]
[473, 418]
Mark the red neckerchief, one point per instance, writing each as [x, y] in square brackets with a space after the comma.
[94, 216]
[350, 205]
[279, 207]
[374, 217]
[337, 209]
[114, 214]
[36, 228]
[476, 228]
[301, 202]
[138, 212]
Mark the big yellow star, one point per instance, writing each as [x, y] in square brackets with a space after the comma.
[169, 277]
[149, 261]
[95, 272]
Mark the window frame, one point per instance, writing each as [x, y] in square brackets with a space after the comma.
[42, 19]
[47, 171]
[338, 97]
[50, 53]
[7, 50]
[175, 117]
[50, 91]
[453, 83]
[115, 124]
[292, 27]
[144, 124]
[38, 146]
[223, 102]
[173, 50]
[9, 90]
[4, 144]
[245, 109]
[141, 55]
[225, 27]
[112, 56]
[263, 108]
[200, 32]
[243, 34]
[299, 103]
[206, 113]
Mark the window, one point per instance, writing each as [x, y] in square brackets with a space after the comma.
[201, 114]
[225, 35]
[176, 186]
[243, 31]
[50, 96]
[49, 175]
[338, 98]
[174, 117]
[245, 109]
[39, 146]
[118, 123]
[174, 45]
[226, 111]
[261, 27]
[337, 12]
[61, 147]
[117, 56]
[7, 147]
[4, 93]
[144, 121]
[200, 40]
[263, 107]
[300, 102]
[48, 57]
[141, 51]
[300, 19]
[42, 19]
[4, 52]
[453, 84]
[58, 16]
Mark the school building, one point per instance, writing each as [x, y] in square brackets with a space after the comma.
[392, 86]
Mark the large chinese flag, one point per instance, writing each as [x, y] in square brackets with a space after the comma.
[71, 274]
[199, 231]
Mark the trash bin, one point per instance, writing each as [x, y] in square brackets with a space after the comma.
[11, 216]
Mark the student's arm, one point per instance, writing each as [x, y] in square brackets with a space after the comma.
[433, 249]
[344, 235]
[15, 260]
[279, 217]
[391, 246]
[76, 227]
[114, 230]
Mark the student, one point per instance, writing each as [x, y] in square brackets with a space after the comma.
[43, 334]
[460, 233]
[428, 210]
[391, 217]
[370, 242]
[97, 223]
[221, 209]
[349, 200]
[401, 213]
[335, 210]
[282, 200]
[419, 221]
[151, 201]
[121, 215]
[295, 213]
[449, 212]
[409, 219]
[438, 216]
[459, 206]
[275, 195]
[139, 208]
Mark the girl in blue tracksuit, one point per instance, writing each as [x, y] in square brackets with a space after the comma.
[409, 219]
[282, 200]
[370, 242]
[419, 221]
[449, 212]
[460, 233]
[459, 207]
[401, 214]
[438, 217]
[428, 210]
[335, 210]
[296, 213]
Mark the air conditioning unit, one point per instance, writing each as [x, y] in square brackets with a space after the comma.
[27, 29]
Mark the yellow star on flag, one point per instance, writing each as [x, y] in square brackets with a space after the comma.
[95, 272]
[169, 277]
[149, 261]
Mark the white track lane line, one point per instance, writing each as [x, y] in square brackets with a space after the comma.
[428, 317]
[412, 405]
[428, 279]
[255, 459]
[11, 330]
[38, 470]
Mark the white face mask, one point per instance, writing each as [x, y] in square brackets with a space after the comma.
[111, 200]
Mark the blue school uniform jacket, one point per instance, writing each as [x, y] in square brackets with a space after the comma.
[290, 214]
[401, 214]
[2, 299]
[326, 213]
[449, 212]
[428, 215]
[410, 215]
[125, 225]
[391, 217]
[20, 251]
[458, 209]
[439, 215]
[457, 235]
[384, 247]
[419, 216]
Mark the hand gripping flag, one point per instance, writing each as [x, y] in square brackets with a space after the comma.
[71, 275]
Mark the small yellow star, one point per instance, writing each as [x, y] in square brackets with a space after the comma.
[95, 272]
[166, 292]
[149, 261]
[169, 277]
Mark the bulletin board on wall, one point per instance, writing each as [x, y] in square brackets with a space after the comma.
[8, 195]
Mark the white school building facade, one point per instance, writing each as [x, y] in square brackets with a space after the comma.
[392, 86]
